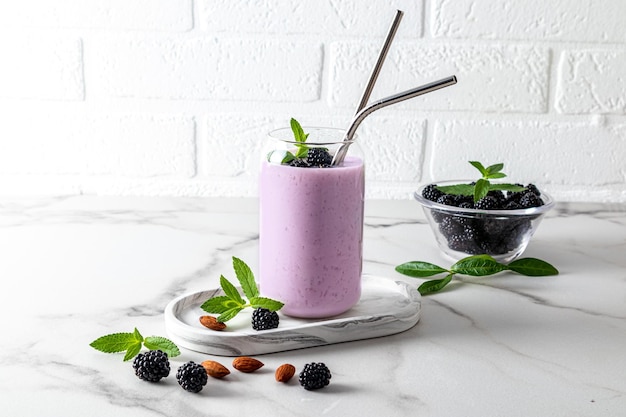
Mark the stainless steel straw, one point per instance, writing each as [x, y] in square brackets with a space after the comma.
[387, 101]
[381, 59]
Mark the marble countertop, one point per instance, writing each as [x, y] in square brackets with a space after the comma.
[77, 268]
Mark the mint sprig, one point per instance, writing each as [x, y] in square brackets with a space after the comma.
[483, 185]
[230, 304]
[476, 265]
[131, 343]
[300, 137]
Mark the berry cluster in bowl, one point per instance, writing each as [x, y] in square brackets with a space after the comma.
[494, 200]
[481, 217]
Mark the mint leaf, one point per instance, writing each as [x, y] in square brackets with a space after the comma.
[162, 344]
[302, 151]
[480, 167]
[478, 266]
[297, 130]
[230, 291]
[419, 269]
[246, 278]
[229, 305]
[287, 158]
[113, 343]
[481, 189]
[229, 314]
[264, 302]
[532, 267]
[506, 187]
[138, 335]
[132, 351]
[131, 343]
[434, 285]
[218, 304]
[495, 170]
[457, 189]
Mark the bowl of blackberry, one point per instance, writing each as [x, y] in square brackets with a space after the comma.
[483, 216]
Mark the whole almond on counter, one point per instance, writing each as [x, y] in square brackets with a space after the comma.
[212, 323]
[246, 364]
[215, 369]
[284, 372]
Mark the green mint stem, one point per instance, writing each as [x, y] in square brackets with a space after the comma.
[476, 265]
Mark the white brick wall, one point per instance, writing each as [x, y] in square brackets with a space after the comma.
[173, 97]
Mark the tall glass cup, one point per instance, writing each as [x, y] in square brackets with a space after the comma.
[311, 224]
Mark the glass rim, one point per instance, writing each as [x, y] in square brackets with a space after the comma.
[547, 198]
[341, 134]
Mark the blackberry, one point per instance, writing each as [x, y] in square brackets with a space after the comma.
[319, 157]
[314, 376]
[299, 163]
[449, 226]
[446, 199]
[533, 189]
[487, 203]
[512, 205]
[463, 200]
[151, 366]
[264, 319]
[431, 192]
[530, 199]
[192, 377]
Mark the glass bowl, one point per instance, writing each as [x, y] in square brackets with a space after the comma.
[461, 232]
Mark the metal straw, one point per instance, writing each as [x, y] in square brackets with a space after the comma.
[381, 58]
[384, 102]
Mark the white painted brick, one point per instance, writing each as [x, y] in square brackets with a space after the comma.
[560, 20]
[216, 69]
[497, 78]
[591, 81]
[392, 146]
[134, 146]
[41, 67]
[346, 17]
[173, 15]
[560, 153]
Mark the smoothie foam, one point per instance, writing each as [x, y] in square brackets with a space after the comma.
[311, 237]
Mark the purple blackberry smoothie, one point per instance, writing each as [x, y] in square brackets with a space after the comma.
[311, 237]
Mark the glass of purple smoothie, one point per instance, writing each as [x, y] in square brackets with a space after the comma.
[311, 223]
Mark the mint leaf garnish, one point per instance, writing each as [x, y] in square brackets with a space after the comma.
[162, 344]
[434, 285]
[264, 302]
[230, 304]
[246, 278]
[476, 265]
[131, 343]
[132, 351]
[532, 267]
[230, 291]
[419, 269]
[483, 185]
[218, 304]
[300, 137]
[113, 343]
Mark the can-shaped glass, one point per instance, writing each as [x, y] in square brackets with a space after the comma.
[311, 223]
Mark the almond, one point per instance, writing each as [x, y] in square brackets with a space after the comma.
[212, 323]
[246, 364]
[284, 372]
[215, 369]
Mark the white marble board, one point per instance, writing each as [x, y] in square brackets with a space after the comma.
[386, 307]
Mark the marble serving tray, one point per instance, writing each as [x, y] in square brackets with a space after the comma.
[386, 307]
